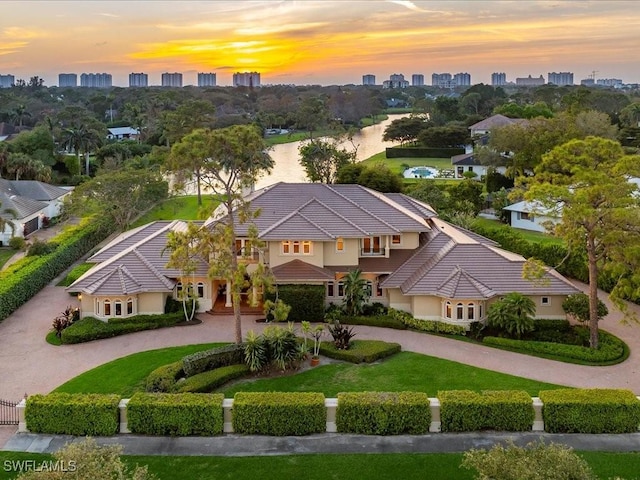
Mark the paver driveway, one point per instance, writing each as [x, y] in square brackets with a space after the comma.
[30, 365]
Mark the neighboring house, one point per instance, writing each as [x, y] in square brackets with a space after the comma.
[531, 216]
[32, 202]
[468, 162]
[316, 234]
[485, 126]
[123, 133]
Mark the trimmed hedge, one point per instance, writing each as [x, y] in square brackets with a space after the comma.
[208, 381]
[175, 414]
[204, 361]
[164, 378]
[306, 301]
[611, 348]
[423, 152]
[90, 328]
[467, 411]
[279, 413]
[383, 413]
[360, 351]
[431, 326]
[383, 321]
[73, 414]
[23, 279]
[591, 410]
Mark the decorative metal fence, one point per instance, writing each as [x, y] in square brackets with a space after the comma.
[8, 412]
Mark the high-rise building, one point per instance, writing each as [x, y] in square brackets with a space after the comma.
[171, 79]
[561, 79]
[498, 79]
[443, 80]
[67, 80]
[138, 80]
[96, 80]
[246, 79]
[417, 80]
[7, 81]
[368, 79]
[609, 82]
[396, 80]
[462, 79]
[530, 81]
[206, 79]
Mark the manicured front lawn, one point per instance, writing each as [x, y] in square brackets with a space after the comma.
[126, 375]
[5, 254]
[179, 208]
[436, 466]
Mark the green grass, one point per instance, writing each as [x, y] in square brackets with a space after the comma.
[436, 466]
[368, 121]
[127, 375]
[179, 208]
[75, 273]
[527, 234]
[395, 164]
[5, 254]
[404, 371]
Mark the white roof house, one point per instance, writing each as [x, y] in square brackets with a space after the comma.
[123, 133]
[532, 216]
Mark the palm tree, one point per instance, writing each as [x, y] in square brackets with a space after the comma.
[514, 314]
[19, 114]
[355, 292]
[81, 140]
[5, 216]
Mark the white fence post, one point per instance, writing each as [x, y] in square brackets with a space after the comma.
[22, 421]
[227, 407]
[436, 424]
[122, 408]
[332, 405]
[538, 421]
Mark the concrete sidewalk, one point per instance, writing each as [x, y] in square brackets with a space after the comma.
[326, 443]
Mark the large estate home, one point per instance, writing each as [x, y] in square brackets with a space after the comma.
[316, 234]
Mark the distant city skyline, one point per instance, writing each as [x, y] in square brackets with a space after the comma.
[319, 42]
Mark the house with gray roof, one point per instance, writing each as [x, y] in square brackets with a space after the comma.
[26, 204]
[316, 234]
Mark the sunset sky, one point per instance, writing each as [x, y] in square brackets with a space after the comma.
[320, 42]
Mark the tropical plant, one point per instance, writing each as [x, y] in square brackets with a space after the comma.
[341, 335]
[5, 219]
[577, 305]
[65, 319]
[255, 351]
[276, 346]
[513, 314]
[278, 310]
[316, 334]
[355, 292]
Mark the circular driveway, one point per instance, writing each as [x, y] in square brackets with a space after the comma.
[30, 365]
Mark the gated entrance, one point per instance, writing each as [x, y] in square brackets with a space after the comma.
[8, 412]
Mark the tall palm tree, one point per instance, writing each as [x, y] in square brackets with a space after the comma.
[82, 140]
[355, 292]
[19, 114]
[5, 219]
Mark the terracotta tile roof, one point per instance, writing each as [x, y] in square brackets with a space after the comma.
[299, 271]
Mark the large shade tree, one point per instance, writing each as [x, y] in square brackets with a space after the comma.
[588, 181]
[235, 158]
[322, 158]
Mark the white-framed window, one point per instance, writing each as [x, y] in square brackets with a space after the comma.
[200, 289]
[341, 289]
[396, 239]
[179, 290]
[545, 301]
[459, 311]
[107, 307]
[297, 247]
[117, 306]
[480, 311]
[447, 310]
[330, 289]
[372, 246]
[339, 244]
[129, 306]
[368, 288]
[471, 311]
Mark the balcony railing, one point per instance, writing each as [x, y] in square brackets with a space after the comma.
[372, 252]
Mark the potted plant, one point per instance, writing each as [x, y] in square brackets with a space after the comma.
[316, 334]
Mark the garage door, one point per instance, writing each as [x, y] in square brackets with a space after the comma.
[31, 226]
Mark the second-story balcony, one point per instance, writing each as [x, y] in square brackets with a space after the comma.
[372, 252]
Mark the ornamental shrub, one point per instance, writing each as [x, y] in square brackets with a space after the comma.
[73, 414]
[467, 411]
[214, 358]
[164, 378]
[279, 413]
[590, 410]
[175, 414]
[206, 382]
[383, 413]
[306, 301]
[430, 326]
[361, 351]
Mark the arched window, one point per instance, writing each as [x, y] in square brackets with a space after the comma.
[118, 308]
[447, 310]
[200, 290]
[459, 312]
[129, 306]
[471, 310]
[341, 289]
[179, 290]
[480, 311]
[107, 307]
[368, 288]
